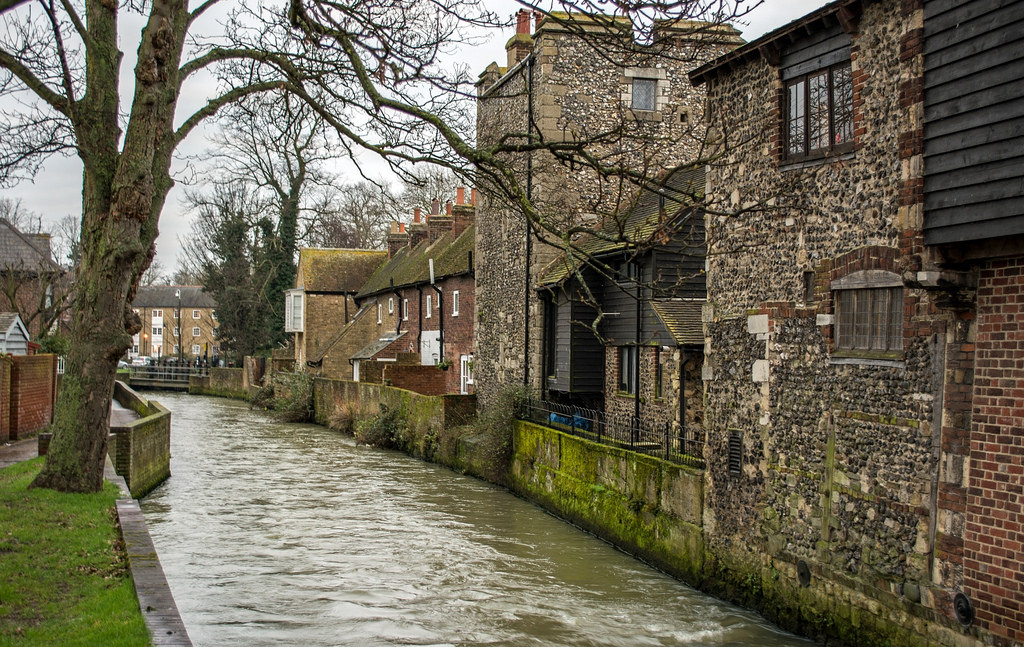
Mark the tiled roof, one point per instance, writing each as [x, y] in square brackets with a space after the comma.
[163, 296]
[20, 251]
[682, 319]
[643, 224]
[411, 266]
[337, 270]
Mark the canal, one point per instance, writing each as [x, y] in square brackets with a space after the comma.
[291, 534]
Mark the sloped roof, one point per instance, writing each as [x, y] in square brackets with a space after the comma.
[337, 270]
[649, 219]
[26, 252]
[377, 345]
[163, 296]
[411, 266]
[11, 320]
[682, 319]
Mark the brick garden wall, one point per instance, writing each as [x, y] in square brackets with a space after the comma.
[30, 394]
[141, 451]
[6, 364]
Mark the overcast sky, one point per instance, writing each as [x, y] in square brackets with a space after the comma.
[56, 190]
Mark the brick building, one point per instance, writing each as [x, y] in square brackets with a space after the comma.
[323, 302]
[31, 283]
[583, 81]
[861, 369]
[174, 315]
[407, 325]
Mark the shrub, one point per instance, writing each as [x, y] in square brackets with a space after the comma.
[293, 396]
[493, 433]
[383, 430]
[341, 419]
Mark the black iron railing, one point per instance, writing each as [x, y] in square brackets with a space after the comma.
[662, 438]
[166, 373]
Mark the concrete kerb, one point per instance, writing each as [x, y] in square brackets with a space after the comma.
[155, 600]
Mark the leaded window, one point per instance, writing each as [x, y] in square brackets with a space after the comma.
[645, 93]
[819, 113]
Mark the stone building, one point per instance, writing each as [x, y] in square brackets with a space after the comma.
[583, 85]
[177, 321]
[322, 302]
[861, 369]
[414, 324]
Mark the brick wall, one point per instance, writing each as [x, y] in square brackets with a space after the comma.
[141, 451]
[993, 547]
[6, 365]
[32, 393]
[426, 380]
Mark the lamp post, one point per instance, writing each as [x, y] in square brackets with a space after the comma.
[177, 320]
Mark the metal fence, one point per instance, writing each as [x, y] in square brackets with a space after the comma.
[664, 439]
[167, 373]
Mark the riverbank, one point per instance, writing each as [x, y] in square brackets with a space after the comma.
[64, 576]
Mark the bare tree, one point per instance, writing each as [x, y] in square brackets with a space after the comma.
[357, 217]
[376, 72]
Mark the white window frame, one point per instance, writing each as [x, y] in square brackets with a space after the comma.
[196, 349]
[195, 331]
[380, 314]
[177, 331]
[391, 305]
[158, 331]
[455, 303]
[196, 314]
[158, 314]
[430, 306]
[294, 310]
[405, 310]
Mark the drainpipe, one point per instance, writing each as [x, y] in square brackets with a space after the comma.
[529, 244]
[639, 321]
[419, 319]
[683, 357]
[398, 304]
[440, 312]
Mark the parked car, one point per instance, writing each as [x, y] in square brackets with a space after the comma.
[141, 360]
[121, 364]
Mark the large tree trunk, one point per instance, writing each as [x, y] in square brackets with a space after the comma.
[122, 197]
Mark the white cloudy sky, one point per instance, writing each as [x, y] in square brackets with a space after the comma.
[56, 190]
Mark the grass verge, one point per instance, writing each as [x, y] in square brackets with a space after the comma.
[64, 577]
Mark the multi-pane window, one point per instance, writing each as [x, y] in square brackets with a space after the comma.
[628, 369]
[195, 314]
[645, 93]
[869, 319]
[158, 331]
[158, 314]
[195, 349]
[195, 331]
[819, 113]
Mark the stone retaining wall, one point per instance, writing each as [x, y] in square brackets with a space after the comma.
[141, 451]
[224, 382]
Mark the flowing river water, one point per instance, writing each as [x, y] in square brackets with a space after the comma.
[291, 534]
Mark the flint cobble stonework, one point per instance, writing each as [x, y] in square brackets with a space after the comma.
[831, 513]
[572, 93]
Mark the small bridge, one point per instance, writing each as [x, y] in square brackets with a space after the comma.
[172, 378]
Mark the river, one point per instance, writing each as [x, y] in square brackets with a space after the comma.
[291, 534]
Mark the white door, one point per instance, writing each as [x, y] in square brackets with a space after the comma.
[430, 347]
[355, 370]
[465, 373]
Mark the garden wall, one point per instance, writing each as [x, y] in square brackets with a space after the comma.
[141, 451]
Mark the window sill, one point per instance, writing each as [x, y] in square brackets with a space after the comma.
[643, 115]
[624, 394]
[868, 358]
[796, 165]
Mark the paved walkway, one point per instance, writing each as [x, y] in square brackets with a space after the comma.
[158, 608]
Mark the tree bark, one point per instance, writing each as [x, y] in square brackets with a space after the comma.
[123, 194]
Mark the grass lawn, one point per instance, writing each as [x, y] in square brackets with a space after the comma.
[64, 578]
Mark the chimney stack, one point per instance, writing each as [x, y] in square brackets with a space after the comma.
[521, 44]
[417, 229]
[438, 224]
[463, 214]
[397, 238]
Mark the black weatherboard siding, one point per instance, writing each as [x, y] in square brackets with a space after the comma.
[973, 120]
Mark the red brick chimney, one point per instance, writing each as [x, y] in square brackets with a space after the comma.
[463, 214]
[397, 238]
[417, 229]
[438, 224]
[520, 45]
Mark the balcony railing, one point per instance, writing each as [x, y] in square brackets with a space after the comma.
[664, 439]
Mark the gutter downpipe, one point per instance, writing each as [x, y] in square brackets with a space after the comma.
[529, 228]
[419, 320]
[398, 304]
[440, 314]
